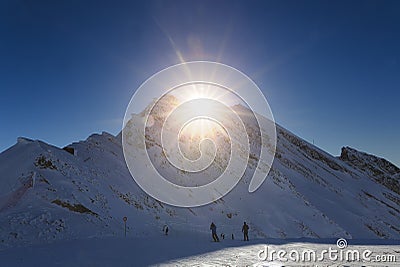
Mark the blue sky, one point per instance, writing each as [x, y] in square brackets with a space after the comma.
[329, 69]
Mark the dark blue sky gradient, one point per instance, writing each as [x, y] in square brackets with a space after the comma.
[329, 69]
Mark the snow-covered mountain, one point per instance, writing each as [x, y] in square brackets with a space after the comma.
[85, 189]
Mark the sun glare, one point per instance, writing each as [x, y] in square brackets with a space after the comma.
[204, 127]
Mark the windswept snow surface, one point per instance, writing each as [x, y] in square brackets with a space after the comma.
[194, 250]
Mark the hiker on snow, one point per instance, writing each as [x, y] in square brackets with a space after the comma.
[245, 230]
[213, 229]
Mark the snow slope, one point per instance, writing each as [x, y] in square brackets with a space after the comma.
[192, 251]
[49, 194]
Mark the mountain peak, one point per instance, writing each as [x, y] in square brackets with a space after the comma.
[24, 140]
[380, 169]
[358, 158]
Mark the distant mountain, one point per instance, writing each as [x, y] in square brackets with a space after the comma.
[85, 189]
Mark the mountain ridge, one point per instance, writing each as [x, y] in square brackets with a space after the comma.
[84, 190]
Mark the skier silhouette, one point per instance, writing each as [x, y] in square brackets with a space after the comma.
[213, 229]
[165, 229]
[245, 230]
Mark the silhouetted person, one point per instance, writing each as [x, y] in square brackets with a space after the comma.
[213, 229]
[245, 230]
[165, 229]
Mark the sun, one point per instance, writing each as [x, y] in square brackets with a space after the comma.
[197, 90]
[201, 127]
